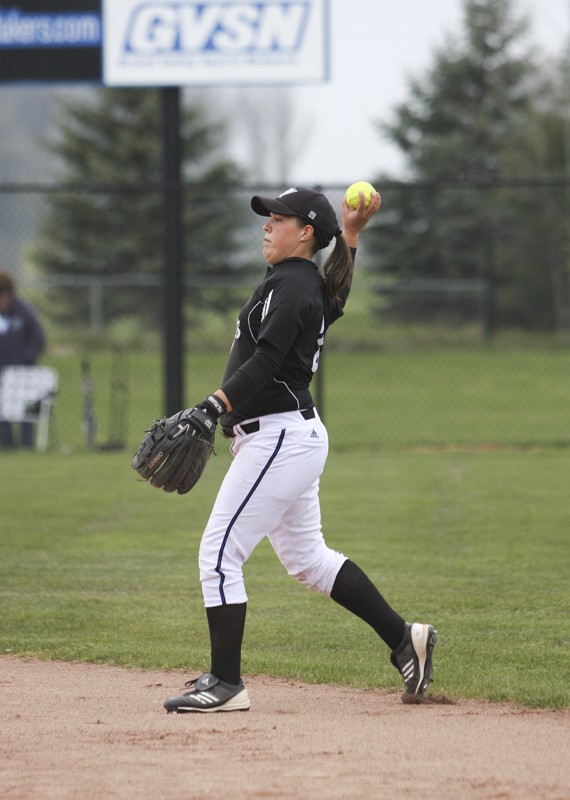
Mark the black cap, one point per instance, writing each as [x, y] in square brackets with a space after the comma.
[305, 203]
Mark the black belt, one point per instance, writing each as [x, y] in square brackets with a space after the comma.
[253, 427]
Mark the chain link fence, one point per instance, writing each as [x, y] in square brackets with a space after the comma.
[413, 363]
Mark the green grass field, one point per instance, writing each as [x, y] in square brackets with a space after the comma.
[96, 566]
[504, 397]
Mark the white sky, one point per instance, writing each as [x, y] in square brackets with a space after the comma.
[376, 45]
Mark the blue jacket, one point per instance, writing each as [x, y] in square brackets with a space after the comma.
[21, 336]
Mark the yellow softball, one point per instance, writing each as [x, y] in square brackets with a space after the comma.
[352, 193]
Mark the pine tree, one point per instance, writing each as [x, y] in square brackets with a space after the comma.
[466, 130]
[109, 222]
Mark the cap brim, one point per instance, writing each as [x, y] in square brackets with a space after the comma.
[264, 206]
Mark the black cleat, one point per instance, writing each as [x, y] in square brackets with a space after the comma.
[209, 694]
[412, 658]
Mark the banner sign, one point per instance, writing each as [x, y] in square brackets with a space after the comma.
[50, 40]
[214, 42]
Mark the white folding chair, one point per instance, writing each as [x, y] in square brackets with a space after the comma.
[27, 395]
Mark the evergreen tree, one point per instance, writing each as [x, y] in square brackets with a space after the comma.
[465, 131]
[110, 222]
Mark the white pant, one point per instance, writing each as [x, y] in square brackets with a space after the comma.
[271, 489]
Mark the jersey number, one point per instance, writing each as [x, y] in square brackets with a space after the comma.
[320, 343]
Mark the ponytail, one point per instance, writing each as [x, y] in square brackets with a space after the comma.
[338, 268]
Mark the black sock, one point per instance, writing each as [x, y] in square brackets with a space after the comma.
[356, 592]
[226, 625]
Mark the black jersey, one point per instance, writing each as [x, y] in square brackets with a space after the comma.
[279, 336]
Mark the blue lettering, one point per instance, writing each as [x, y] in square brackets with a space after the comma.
[19, 30]
[222, 28]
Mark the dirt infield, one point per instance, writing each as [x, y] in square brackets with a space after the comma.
[93, 732]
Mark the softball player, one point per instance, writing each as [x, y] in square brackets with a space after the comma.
[280, 447]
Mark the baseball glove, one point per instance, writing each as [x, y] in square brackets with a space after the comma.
[174, 453]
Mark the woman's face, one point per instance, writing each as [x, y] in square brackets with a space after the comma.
[286, 237]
